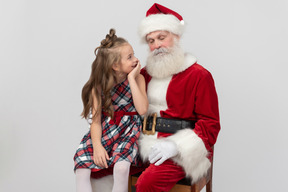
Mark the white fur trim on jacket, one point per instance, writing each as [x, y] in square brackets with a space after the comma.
[156, 92]
[189, 60]
[163, 22]
[192, 152]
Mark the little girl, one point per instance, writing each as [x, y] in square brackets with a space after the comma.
[114, 98]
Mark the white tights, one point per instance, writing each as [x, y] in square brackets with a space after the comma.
[83, 183]
[120, 175]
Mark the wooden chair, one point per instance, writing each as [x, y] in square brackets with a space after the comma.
[183, 185]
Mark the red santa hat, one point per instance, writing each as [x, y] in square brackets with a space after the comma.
[159, 17]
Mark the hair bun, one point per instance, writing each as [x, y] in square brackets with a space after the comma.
[109, 40]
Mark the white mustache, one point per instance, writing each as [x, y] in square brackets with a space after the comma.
[160, 50]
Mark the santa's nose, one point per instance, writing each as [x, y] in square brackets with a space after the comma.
[158, 44]
[155, 45]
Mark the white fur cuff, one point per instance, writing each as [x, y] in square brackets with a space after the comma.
[192, 153]
[145, 144]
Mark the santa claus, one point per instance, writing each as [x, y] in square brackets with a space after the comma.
[182, 94]
[178, 141]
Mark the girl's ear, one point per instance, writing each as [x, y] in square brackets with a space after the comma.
[116, 66]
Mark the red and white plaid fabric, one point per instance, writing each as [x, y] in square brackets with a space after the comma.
[119, 135]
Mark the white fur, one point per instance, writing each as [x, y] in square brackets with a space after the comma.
[189, 60]
[157, 89]
[167, 63]
[145, 144]
[103, 184]
[157, 22]
[192, 153]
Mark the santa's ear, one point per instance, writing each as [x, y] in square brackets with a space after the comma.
[176, 37]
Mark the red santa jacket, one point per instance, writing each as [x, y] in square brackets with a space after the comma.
[191, 95]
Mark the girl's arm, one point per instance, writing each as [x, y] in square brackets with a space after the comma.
[138, 89]
[99, 153]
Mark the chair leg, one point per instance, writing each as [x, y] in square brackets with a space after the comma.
[130, 184]
[209, 186]
[195, 188]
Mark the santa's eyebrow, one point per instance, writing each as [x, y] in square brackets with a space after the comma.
[149, 38]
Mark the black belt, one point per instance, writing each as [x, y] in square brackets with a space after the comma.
[164, 125]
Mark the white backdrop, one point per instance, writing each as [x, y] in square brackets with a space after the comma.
[46, 50]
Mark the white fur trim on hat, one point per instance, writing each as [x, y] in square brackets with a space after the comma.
[160, 22]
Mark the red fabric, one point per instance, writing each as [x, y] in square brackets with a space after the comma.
[191, 95]
[147, 77]
[159, 178]
[109, 171]
[160, 9]
[102, 173]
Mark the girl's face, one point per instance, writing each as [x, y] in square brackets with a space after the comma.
[128, 60]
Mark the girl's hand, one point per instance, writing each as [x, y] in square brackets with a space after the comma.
[136, 71]
[100, 156]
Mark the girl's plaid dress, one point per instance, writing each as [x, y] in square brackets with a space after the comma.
[119, 135]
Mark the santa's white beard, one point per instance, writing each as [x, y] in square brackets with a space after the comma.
[164, 62]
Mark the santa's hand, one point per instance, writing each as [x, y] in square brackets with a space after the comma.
[162, 151]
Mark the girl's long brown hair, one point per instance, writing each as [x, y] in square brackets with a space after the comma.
[102, 78]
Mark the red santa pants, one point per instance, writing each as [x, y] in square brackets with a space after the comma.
[159, 178]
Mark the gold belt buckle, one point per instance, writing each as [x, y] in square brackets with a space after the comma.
[152, 132]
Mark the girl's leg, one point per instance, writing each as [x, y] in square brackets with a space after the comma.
[120, 174]
[83, 183]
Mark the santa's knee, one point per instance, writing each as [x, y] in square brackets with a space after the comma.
[146, 183]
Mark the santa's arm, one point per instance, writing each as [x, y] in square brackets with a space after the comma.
[194, 146]
[207, 125]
